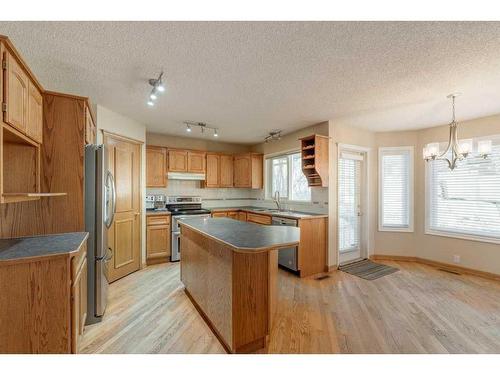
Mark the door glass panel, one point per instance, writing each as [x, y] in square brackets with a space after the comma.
[349, 205]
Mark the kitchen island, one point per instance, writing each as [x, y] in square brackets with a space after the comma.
[229, 270]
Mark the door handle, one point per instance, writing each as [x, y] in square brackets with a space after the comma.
[109, 255]
[137, 214]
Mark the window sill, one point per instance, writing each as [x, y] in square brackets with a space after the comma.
[395, 229]
[459, 236]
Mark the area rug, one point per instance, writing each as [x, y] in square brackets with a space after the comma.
[368, 270]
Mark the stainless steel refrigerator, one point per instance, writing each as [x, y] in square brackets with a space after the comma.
[100, 200]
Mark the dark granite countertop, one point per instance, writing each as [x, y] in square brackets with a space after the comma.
[243, 236]
[269, 211]
[37, 246]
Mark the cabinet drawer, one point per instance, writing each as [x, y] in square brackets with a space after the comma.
[259, 219]
[158, 220]
[219, 214]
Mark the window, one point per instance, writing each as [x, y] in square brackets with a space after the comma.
[285, 175]
[396, 189]
[465, 202]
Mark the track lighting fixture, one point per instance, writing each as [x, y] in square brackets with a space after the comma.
[158, 87]
[203, 126]
[274, 135]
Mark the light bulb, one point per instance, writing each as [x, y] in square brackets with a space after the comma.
[484, 147]
[188, 129]
[433, 149]
[215, 133]
[465, 146]
[160, 87]
[153, 96]
[151, 103]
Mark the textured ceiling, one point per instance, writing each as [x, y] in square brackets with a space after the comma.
[248, 78]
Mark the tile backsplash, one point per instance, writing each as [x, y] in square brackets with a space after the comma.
[229, 197]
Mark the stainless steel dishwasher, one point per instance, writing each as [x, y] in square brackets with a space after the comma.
[288, 257]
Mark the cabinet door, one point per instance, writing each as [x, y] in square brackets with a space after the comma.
[226, 171]
[156, 158]
[257, 172]
[259, 219]
[34, 123]
[90, 129]
[213, 172]
[158, 241]
[242, 171]
[242, 216]
[78, 305]
[196, 162]
[233, 215]
[16, 95]
[219, 214]
[177, 161]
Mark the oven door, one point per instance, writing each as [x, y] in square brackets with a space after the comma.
[176, 234]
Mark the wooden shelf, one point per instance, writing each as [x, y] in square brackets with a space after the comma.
[34, 195]
[307, 157]
[315, 159]
[310, 166]
[310, 147]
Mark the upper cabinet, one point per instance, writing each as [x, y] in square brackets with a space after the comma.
[315, 160]
[156, 166]
[219, 170]
[15, 105]
[248, 171]
[186, 161]
[34, 123]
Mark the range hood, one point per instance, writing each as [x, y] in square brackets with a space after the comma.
[186, 176]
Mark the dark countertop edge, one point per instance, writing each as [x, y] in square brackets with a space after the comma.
[306, 215]
[43, 256]
[246, 250]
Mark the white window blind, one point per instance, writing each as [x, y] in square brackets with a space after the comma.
[349, 202]
[465, 202]
[396, 189]
[285, 175]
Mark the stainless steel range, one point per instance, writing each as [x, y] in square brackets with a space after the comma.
[182, 207]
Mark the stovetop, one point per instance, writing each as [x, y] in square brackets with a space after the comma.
[199, 211]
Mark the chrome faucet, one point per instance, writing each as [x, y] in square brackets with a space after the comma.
[276, 199]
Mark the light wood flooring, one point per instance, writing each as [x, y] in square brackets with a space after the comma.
[419, 309]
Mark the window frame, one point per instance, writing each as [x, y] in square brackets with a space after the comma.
[411, 190]
[268, 176]
[427, 216]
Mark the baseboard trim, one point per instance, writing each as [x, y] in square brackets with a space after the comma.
[436, 264]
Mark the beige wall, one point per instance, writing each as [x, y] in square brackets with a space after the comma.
[474, 254]
[116, 123]
[155, 139]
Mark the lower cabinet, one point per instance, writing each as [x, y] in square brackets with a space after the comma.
[219, 214]
[259, 219]
[43, 303]
[158, 239]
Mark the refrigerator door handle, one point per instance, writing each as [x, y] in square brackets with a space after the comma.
[110, 182]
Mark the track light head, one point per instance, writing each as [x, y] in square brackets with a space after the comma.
[151, 103]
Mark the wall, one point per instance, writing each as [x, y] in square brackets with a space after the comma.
[348, 135]
[115, 123]
[474, 254]
[290, 142]
[220, 197]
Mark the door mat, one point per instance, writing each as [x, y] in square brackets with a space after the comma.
[368, 270]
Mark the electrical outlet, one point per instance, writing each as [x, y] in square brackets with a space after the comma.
[456, 258]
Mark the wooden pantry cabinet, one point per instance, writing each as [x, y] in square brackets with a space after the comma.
[156, 167]
[248, 171]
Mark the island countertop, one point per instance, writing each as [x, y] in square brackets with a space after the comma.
[243, 236]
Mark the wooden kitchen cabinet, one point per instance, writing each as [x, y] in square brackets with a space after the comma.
[78, 297]
[258, 218]
[233, 215]
[34, 122]
[248, 171]
[156, 166]
[90, 128]
[213, 171]
[242, 216]
[219, 170]
[219, 214]
[15, 93]
[158, 249]
[196, 161]
[177, 160]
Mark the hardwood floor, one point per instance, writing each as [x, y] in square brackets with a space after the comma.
[419, 309]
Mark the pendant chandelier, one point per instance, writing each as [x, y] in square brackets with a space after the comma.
[459, 149]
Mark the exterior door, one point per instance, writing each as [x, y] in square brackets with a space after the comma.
[124, 235]
[350, 176]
